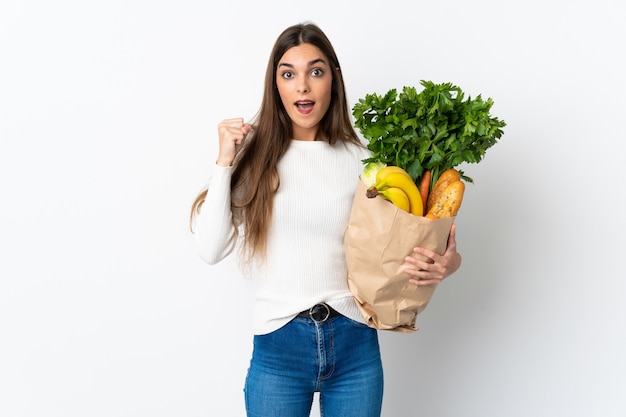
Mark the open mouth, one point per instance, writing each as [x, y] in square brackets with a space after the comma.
[305, 107]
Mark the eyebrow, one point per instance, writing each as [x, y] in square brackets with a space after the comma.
[311, 63]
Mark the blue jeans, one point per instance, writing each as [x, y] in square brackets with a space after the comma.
[339, 358]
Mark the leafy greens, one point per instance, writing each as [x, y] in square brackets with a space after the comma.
[434, 129]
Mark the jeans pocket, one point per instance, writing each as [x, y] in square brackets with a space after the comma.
[358, 324]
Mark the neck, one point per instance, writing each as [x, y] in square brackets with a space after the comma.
[304, 134]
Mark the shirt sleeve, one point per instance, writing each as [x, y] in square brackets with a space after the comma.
[213, 226]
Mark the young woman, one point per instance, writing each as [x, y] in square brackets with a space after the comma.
[280, 196]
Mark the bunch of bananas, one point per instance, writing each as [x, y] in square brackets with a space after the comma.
[396, 185]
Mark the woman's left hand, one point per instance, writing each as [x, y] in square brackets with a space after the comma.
[437, 267]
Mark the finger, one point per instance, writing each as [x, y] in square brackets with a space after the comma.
[234, 129]
[424, 282]
[234, 122]
[244, 130]
[231, 126]
[452, 236]
[427, 253]
[418, 263]
[431, 273]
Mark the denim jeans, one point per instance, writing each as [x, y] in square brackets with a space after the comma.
[339, 358]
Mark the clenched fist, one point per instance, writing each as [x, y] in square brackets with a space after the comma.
[232, 134]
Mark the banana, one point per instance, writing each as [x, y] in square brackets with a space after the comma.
[396, 196]
[389, 169]
[406, 184]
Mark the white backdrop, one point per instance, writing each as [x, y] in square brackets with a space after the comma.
[108, 114]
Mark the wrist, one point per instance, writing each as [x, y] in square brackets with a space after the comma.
[223, 162]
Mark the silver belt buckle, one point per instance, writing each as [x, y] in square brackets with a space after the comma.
[313, 310]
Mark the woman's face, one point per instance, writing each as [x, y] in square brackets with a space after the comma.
[304, 82]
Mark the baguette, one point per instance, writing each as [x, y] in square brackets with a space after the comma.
[449, 201]
[446, 178]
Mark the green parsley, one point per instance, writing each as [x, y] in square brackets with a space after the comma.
[434, 129]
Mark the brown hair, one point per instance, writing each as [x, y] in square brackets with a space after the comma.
[255, 178]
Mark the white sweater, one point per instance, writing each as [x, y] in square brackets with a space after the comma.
[305, 256]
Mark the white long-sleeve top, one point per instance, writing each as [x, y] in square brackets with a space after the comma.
[305, 254]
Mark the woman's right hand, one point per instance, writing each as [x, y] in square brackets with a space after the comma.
[232, 134]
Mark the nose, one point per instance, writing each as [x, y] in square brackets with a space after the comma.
[303, 86]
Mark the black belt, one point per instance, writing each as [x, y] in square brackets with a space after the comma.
[319, 313]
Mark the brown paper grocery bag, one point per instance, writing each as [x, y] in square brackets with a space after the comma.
[378, 238]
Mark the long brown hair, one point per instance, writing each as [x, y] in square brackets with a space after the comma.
[255, 178]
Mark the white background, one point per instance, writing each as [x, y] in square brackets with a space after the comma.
[108, 114]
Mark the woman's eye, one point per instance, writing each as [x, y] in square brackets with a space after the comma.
[287, 74]
[317, 72]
